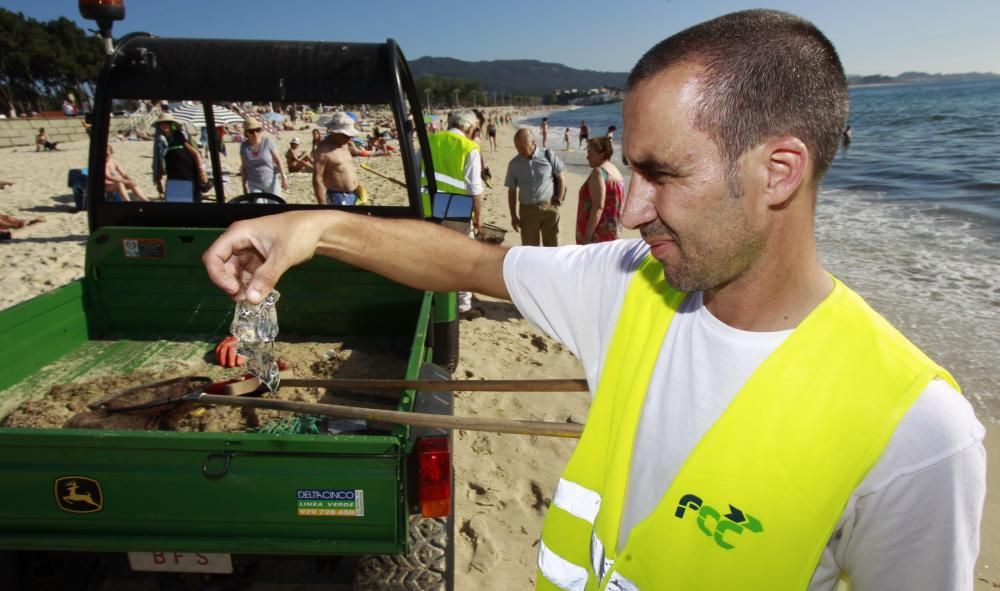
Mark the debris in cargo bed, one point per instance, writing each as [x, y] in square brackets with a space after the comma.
[66, 405]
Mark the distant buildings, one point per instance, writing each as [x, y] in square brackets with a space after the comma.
[591, 96]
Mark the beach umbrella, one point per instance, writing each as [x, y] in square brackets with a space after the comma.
[428, 118]
[274, 117]
[194, 114]
[352, 115]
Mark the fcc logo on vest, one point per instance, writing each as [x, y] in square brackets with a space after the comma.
[715, 525]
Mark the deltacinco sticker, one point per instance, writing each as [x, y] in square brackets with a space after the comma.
[144, 248]
[328, 502]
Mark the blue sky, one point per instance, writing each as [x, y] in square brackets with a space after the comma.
[873, 36]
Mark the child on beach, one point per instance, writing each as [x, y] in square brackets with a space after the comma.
[42, 142]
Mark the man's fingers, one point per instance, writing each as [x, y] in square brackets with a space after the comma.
[219, 264]
[226, 260]
[265, 277]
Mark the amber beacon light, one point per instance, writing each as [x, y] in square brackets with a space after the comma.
[104, 13]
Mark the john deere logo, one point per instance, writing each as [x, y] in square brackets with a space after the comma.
[723, 528]
[79, 494]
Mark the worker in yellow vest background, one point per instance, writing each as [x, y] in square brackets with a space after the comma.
[458, 166]
[755, 424]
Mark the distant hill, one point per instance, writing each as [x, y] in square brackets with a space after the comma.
[530, 77]
[914, 77]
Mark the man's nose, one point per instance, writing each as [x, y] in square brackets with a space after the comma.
[639, 207]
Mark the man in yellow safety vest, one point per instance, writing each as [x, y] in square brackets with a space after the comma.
[458, 168]
[755, 425]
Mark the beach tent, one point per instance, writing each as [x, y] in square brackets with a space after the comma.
[194, 114]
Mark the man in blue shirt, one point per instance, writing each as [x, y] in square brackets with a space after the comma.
[534, 180]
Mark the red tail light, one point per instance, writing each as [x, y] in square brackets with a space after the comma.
[434, 455]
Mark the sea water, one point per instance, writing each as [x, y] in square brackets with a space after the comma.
[908, 216]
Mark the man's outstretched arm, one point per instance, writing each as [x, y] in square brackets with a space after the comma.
[250, 257]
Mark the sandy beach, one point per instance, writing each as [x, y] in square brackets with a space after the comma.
[504, 483]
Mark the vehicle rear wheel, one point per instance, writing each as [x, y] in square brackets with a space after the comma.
[428, 567]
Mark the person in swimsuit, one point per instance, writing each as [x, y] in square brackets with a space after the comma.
[116, 180]
[335, 181]
[491, 134]
[584, 133]
[297, 162]
[602, 197]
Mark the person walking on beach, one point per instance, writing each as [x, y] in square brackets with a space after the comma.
[177, 160]
[584, 133]
[491, 134]
[458, 169]
[535, 188]
[260, 164]
[335, 181]
[566, 140]
[755, 424]
[545, 131]
[599, 213]
[317, 137]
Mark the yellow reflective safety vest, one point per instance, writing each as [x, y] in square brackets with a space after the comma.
[756, 502]
[448, 153]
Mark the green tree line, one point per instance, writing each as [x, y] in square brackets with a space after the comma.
[41, 63]
[444, 92]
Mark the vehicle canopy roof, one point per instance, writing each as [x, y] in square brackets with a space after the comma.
[287, 71]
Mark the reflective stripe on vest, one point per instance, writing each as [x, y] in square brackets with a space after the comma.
[757, 500]
[448, 153]
[577, 500]
[559, 572]
[562, 529]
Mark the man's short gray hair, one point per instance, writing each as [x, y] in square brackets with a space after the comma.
[463, 120]
[766, 74]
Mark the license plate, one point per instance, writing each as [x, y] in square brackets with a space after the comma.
[181, 562]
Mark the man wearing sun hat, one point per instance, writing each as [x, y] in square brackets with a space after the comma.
[298, 162]
[335, 181]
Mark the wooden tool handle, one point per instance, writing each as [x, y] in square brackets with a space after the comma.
[386, 177]
[543, 428]
[553, 385]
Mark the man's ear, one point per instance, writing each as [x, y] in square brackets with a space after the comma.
[785, 160]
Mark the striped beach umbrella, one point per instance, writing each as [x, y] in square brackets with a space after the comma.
[194, 114]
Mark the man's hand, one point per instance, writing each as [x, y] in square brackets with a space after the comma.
[250, 257]
[515, 222]
[159, 186]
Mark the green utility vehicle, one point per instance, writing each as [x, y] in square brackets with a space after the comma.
[375, 502]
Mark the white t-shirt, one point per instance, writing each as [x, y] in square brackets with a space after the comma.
[912, 523]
